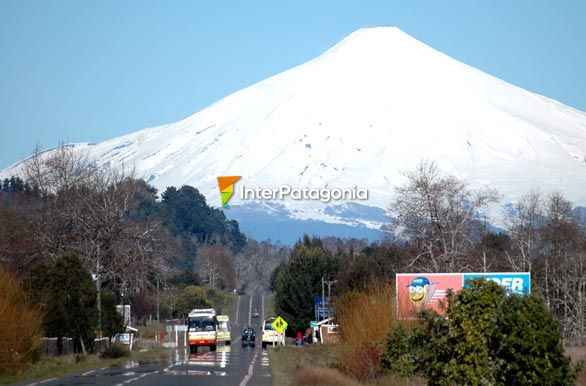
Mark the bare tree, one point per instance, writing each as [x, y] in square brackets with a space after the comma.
[440, 214]
[564, 263]
[59, 169]
[523, 225]
[256, 262]
[214, 264]
[549, 241]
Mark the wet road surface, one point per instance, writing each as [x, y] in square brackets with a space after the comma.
[228, 365]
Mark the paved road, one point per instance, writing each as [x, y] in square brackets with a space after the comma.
[229, 365]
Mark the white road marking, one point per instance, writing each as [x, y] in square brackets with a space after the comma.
[87, 373]
[264, 361]
[250, 370]
[236, 340]
[39, 382]
[126, 382]
[223, 361]
[250, 310]
[237, 308]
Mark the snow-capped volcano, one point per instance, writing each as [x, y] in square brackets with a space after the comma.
[369, 108]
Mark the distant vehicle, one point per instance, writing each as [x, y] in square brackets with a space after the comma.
[223, 332]
[269, 335]
[248, 337]
[201, 329]
[255, 313]
[122, 338]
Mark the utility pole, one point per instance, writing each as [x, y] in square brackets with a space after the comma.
[123, 309]
[329, 283]
[323, 295]
[158, 332]
[99, 292]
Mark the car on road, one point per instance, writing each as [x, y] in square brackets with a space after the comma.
[269, 335]
[255, 313]
[248, 337]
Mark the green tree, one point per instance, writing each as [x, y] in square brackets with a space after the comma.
[192, 297]
[298, 281]
[67, 295]
[112, 322]
[188, 215]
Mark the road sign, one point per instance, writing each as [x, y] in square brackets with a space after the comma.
[313, 324]
[280, 324]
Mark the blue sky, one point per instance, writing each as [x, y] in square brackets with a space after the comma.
[84, 71]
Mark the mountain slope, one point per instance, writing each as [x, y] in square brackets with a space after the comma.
[367, 109]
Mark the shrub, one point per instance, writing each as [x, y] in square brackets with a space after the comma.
[528, 344]
[397, 355]
[115, 351]
[487, 337]
[364, 319]
[20, 326]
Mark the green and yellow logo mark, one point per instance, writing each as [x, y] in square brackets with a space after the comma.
[226, 184]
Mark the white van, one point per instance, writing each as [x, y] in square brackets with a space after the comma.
[269, 335]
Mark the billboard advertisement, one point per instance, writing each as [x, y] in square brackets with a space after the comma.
[416, 291]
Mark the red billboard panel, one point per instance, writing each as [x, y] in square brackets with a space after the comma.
[427, 290]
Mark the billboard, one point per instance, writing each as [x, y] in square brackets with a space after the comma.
[322, 307]
[416, 291]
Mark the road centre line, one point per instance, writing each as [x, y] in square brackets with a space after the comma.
[250, 370]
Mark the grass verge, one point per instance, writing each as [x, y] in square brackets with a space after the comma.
[72, 364]
[289, 361]
[578, 354]
[316, 365]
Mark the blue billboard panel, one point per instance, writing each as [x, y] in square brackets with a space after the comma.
[514, 282]
[322, 307]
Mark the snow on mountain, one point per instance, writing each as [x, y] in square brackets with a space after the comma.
[367, 109]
